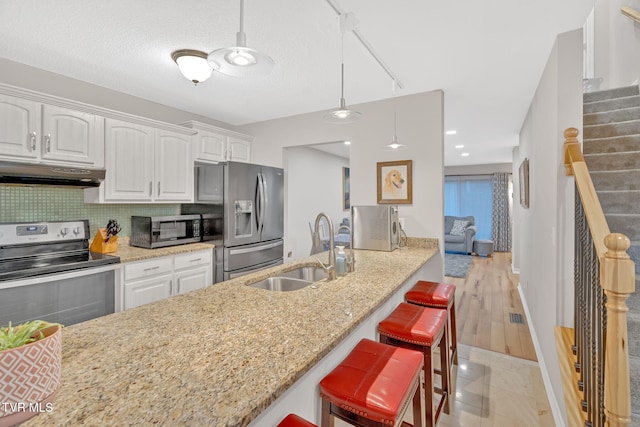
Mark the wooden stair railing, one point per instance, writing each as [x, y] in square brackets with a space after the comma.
[617, 279]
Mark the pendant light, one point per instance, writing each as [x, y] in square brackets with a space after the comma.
[394, 139]
[239, 60]
[342, 114]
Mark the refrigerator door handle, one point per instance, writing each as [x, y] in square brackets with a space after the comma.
[258, 204]
[265, 201]
[262, 197]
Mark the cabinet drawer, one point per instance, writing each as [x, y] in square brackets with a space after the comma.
[148, 268]
[192, 259]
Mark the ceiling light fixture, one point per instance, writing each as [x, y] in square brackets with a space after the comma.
[343, 114]
[459, 146]
[347, 143]
[451, 132]
[465, 154]
[192, 64]
[239, 60]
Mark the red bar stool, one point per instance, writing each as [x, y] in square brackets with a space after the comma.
[442, 296]
[424, 329]
[292, 420]
[373, 386]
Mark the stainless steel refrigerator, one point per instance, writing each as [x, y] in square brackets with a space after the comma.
[242, 208]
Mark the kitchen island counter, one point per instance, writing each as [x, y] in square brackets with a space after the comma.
[128, 253]
[217, 356]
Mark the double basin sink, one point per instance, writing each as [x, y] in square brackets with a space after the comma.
[292, 280]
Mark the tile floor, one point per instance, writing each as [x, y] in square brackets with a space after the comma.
[494, 390]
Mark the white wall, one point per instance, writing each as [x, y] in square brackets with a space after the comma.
[546, 229]
[314, 185]
[617, 44]
[419, 126]
[478, 169]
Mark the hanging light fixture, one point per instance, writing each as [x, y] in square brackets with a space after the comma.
[394, 145]
[239, 60]
[342, 114]
[192, 64]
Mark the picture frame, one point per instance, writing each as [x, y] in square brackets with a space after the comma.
[346, 189]
[524, 183]
[395, 182]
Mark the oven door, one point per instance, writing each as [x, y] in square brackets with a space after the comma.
[65, 298]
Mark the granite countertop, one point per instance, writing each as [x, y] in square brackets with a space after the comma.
[129, 253]
[221, 355]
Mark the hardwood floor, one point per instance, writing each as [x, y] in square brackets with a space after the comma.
[484, 301]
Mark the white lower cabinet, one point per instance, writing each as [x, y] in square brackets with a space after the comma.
[159, 278]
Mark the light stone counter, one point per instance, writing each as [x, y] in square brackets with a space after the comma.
[129, 253]
[217, 356]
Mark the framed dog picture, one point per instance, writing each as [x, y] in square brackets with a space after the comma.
[395, 182]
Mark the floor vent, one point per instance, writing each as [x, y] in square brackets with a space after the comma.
[516, 318]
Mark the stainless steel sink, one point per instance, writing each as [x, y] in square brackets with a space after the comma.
[292, 280]
[281, 284]
[312, 274]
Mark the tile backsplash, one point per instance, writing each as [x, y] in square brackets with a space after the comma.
[27, 204]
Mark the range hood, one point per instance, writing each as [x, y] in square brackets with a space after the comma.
[36, 174]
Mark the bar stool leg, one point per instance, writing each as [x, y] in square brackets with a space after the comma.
[454, 333]
[327, 420]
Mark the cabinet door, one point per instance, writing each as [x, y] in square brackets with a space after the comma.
[239, 150]
[173, 167]
[211, 146]
[129, 152]
[147, 290]
[68, 135]
[192, 279]
[19, 128]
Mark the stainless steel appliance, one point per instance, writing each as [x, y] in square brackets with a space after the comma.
[159, 231]
[37, 174]
[242, 208]
[375, 227]
[47, 272]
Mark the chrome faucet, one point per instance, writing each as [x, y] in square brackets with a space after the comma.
[331, 268]
[351, 260]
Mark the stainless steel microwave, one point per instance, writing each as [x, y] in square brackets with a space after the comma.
[375, 227]
[160, 231]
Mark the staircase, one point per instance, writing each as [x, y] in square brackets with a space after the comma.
[611, 150]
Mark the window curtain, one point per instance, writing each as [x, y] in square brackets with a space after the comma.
[501, 218]
[470, 195]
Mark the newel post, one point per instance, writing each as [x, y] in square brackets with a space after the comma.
[617, 277]
[571, 143]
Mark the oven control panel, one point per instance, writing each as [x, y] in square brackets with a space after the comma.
[42, 232]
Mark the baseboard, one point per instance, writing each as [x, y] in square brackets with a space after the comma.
[553, 401]
[515, 270]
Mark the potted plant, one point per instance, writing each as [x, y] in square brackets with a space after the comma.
[30, 367]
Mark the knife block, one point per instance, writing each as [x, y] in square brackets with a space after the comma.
[100, 243]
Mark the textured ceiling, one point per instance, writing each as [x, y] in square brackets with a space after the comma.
[486, 56]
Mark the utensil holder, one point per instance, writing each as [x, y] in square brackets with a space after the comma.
[103, 245]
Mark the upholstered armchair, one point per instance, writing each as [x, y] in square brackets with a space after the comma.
[463, 234]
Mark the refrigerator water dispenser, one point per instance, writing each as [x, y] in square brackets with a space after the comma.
[244, 218]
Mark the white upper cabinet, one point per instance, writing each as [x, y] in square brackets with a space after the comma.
[68, 135]
[215, 144]
[35, 132]
[145, 165]
[173, 167]
[129, 158]
[19, 127]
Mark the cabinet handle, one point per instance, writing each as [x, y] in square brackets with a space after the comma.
[150, 188]
[224, 153]
[152, 268]
[47, 140]
[170, 287]
[158, 188]
[32, 146]
[197, 259]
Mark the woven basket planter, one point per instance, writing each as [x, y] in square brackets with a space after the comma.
[30, 377]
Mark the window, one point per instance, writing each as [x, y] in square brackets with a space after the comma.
[470, 195]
